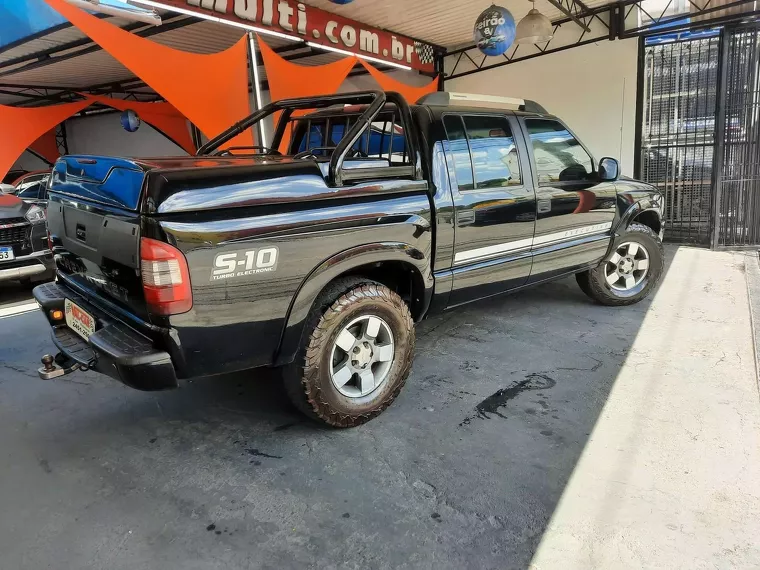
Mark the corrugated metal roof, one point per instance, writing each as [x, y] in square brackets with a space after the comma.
[51, 40]
[447, 23]
[99, 67]
[203, 37]
[91, 69]
[444, 22]
[11, 99]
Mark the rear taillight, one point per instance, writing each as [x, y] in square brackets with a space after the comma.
[165, 277]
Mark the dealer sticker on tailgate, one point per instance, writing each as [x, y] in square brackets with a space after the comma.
[79, 320]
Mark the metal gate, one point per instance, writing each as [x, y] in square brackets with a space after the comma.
[680, 85]
[700, 135]
[738, 160]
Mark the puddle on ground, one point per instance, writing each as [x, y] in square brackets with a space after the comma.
[493, 404]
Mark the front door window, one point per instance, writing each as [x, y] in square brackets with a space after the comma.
[558, 155]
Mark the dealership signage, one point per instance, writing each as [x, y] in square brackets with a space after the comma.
[318, 27]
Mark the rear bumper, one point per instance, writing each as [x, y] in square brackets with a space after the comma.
[115, 349]
[35, 265]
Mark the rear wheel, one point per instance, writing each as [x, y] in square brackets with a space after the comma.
[355, 356]
[630, 272]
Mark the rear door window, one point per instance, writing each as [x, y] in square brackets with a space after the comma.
[494, 154]
[460, 151]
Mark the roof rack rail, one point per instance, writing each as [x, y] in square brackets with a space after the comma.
[450, 99]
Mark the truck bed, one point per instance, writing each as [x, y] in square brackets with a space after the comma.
[208, 207]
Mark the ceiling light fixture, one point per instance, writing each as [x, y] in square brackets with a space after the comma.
[217, 20]
[124, 11]
[367, 57]
[534, 28]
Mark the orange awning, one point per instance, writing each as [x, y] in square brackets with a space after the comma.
[46, 147]
[410, 93]
[210, 90]
[162, 116]
[22, 126]
[287, 79]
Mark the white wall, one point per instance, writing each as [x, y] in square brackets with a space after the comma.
[592, 88]
[104, 135]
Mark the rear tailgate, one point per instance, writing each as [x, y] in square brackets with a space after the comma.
[94, 222]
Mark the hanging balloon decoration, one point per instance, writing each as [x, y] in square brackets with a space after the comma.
[130, 121]
[494, 30]
[341, 1]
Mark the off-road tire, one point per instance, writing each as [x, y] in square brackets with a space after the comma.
[594, 284]
[307, 379]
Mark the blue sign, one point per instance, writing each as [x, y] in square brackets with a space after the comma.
[494, 31]
[19, 20]
[130, 121]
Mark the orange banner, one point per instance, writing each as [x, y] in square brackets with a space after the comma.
[23, 126]
[287, 79]
[46, 147]
[210, 90]
[162, 116]
[410, 93]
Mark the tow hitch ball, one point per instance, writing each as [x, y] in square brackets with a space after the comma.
[53, 367]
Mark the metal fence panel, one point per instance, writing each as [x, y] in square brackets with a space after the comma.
[738, 212]
[678, 132]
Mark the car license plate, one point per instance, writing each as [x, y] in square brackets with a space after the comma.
[79, 320]
[6, 253]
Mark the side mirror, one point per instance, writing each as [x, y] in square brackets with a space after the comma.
[609, 169]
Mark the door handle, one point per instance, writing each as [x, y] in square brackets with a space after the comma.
[465, 217]
[544, 206]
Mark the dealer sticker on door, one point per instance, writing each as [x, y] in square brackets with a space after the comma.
[79, 320]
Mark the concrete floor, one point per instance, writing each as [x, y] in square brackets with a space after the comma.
[537, 429]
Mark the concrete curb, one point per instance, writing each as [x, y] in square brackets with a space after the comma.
[752, 271]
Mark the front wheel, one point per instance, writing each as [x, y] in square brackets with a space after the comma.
[630, 272]
[355, 356]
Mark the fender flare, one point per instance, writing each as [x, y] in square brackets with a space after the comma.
[340, 264]
[644, 205]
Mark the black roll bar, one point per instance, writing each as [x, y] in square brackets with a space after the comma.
[375, 101]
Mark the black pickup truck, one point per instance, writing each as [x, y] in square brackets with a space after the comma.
[319, 252]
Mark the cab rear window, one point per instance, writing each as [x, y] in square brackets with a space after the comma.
[384, 140]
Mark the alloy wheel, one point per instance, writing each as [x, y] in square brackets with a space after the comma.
[362, 356]
[627, 267]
